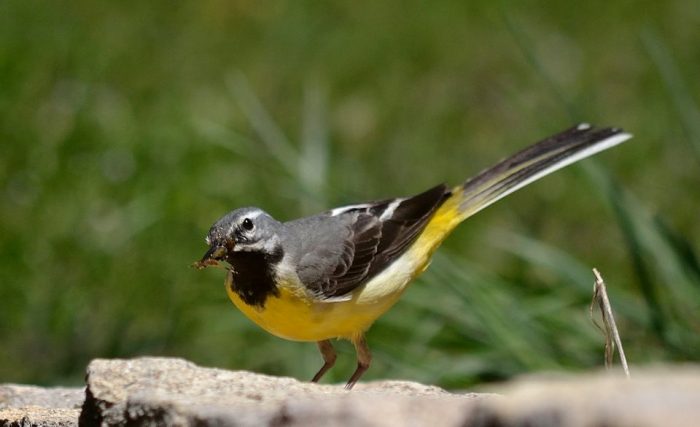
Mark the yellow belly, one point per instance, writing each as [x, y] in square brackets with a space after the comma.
[300, 318]
[295, 315]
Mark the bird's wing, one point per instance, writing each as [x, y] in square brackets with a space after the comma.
[345, 247]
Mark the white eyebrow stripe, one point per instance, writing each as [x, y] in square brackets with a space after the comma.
[254, 214]
[389, 211]
[343, 209]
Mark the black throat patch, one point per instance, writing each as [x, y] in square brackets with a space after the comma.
[254, 276]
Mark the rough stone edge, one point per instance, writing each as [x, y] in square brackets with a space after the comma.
[21, 395]
[39, 416]
[90, 414]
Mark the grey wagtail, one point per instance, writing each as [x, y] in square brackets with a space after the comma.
[333, 274]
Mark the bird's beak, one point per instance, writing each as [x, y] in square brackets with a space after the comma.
[211, 257]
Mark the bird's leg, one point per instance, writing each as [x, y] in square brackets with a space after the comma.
[329, 356]
[364, 358]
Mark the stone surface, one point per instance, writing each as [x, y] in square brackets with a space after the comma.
[176, 392]
[161, 391]
[652, 397]
[22, 405]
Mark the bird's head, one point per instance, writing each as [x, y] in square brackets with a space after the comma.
[243, 230]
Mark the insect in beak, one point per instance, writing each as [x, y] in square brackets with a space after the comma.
[211, 257]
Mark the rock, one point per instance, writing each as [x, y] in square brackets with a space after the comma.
[37, 416]
[22, 405]
[14, 395]
[652, 397]
[162, 391]
[150, 391]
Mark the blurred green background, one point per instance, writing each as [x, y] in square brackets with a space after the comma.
[128, 127]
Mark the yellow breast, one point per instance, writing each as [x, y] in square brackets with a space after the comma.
[295, 315]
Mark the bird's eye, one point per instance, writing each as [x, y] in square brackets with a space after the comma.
[247, 224]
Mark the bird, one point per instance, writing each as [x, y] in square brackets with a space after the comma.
[331, 275]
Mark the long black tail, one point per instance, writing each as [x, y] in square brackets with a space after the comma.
[533, 163]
